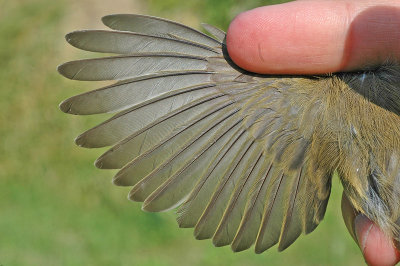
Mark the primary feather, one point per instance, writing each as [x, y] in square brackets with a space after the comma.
[247, 158]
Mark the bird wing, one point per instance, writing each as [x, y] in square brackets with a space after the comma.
[231, 149]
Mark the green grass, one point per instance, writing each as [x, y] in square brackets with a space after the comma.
[56, 208]
[218, 13]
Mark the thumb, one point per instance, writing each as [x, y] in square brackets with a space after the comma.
[376, 247]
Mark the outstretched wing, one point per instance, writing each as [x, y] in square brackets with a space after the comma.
[232, 150]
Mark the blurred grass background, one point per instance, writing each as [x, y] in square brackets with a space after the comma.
[56, 208]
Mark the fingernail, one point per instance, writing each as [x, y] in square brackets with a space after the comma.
[360, 222]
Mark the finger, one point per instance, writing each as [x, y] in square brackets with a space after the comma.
[377, 248]
[316, 36]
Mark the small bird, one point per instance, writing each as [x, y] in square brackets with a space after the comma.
[246, 159]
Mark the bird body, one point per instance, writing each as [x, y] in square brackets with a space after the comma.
[247, 158]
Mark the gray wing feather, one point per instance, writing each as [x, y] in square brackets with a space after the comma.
[157, 26]
[181, 183]
[208, 222]
[126, 94]
[157, 132]
[189, 151]
[216, 32]
[118, 42]
[133, 119]
[163, 150]
[130, 66]
[232, 217]
[250, 223]
[193, 207]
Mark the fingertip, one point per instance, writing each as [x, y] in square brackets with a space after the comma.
[251, 39]
[238, 41]
[377, 248]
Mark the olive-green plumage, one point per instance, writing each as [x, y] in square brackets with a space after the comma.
[247, 158]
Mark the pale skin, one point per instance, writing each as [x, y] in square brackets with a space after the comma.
[318, 37]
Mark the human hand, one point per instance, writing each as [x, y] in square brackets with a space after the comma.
[316, 37]
[375, 246]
